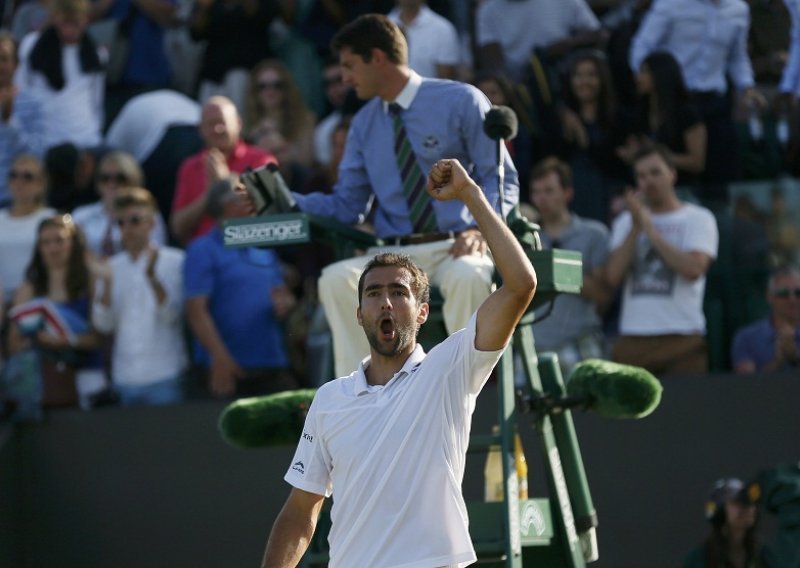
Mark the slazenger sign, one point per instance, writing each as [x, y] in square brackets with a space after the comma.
[273, 232]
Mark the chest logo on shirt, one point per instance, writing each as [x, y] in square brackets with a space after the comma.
[430, 142]
[307, 436]
[299, 467]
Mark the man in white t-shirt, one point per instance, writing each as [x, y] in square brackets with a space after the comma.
[389, 441]
[661, 248]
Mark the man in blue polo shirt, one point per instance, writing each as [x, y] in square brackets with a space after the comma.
[234, 301]
[439, 119]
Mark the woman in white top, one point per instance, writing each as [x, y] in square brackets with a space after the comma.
[116, 170]
[27, 184]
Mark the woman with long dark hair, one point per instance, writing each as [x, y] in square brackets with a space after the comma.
[592, 127]
[732, 541]
[667, 116]
[51, 312]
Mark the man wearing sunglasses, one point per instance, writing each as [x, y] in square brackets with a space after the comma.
[141, 303]
[773, 343]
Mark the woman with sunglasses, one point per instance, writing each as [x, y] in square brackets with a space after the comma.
[773, 343]
[27, 183]
[117, 170]
[58, 287]
[273, 94]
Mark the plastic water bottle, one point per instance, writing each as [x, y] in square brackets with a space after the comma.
[493, 472]
[521, 465]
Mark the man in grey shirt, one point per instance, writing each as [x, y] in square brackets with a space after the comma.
[573, 329]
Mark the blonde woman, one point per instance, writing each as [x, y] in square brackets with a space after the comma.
[117, 170]
[272, 93]
[27, 185]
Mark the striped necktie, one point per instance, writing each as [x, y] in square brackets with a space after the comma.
[420, 208]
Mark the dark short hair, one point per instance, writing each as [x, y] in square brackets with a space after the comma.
[372, 31]
[654, 149]
[549, 165]
[780, 272]
[420, 286]
[134, 197]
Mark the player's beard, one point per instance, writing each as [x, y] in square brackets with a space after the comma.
[404, 335]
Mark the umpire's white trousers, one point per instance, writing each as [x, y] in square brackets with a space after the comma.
[464, 283]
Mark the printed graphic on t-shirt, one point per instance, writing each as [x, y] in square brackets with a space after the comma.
[651, 275]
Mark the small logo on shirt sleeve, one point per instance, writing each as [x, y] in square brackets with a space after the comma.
[308, 437]
[299, 467]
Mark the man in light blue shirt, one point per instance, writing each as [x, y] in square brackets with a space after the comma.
[443, 119]
[708, 38]
[21, 123]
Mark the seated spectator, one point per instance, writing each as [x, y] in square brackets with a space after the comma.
[225, 153]
[272, 93]
[21, 124]
[141, 304]
[593, 127]
[235, 298]
[661, 249]
[773, 343]
[63, 363]
[62, 68]
[573, 328]
[336, 92]
[507, 31]
[732, 540]
[27, 184]
[117, 170]
[433, 46]
[160, 130]
[667, 116]
[235, 32]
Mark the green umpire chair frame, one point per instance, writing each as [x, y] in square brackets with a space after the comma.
[510, 533]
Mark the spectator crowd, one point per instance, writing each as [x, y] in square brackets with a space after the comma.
[124, 125]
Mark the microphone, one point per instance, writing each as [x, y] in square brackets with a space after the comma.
[500, 123]
[614, 390]
[272, 420]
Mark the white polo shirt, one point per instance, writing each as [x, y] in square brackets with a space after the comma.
[393, 457]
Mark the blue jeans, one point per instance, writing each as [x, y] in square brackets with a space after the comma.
[168, 391]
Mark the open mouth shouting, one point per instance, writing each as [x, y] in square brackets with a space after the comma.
[387, 328]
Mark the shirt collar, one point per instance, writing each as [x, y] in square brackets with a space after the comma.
[407, 94]
[361, 385]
